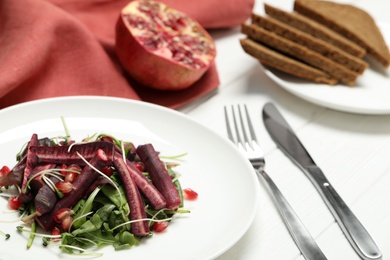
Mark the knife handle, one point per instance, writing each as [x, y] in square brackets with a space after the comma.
[355, 232]
[305, 242]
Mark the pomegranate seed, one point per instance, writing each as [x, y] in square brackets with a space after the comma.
[139, 165]
[14, 203]
[72, 174]
[107, 170]
[70, 177]
[74, 167]
[62, 214]
[63, 166]
[190, 194]
[4, 170]
[64, 187]
[160, 226]
[55, 232]
[65, 224]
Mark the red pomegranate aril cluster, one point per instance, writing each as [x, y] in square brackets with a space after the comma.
[136, 21]
[175, 21]
[14, 203]
[108, 171]
[140, 166]
[190, 194]
[4, 170]
[56, 232]
[160, 226]
[151, 43]
[151, 8]
[64, 217]
[70, 173]
[64, 187]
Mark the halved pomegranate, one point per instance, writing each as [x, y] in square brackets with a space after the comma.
[162, 48]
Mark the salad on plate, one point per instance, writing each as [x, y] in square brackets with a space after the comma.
[100, 191]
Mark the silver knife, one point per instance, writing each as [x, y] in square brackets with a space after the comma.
[288, 142]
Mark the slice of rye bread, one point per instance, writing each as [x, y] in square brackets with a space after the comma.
[284, 63]
[350, 21]
[328, 50]
[316, 29]
[300, 52]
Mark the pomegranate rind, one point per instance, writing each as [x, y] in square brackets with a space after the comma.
[156, 68]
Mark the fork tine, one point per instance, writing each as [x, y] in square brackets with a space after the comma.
[238, 136]
[250, 126]
[229, 130]
[243, 128]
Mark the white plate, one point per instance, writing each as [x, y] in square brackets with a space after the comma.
[371, 95]
[227, 186]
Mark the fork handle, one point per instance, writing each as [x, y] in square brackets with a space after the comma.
[298, 231]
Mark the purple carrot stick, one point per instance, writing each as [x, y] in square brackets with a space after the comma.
[137, 210]
[45, 200]
[61, 154]
[159, 175]
[154, 196]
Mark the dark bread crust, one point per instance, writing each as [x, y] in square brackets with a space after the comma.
[311, 42]
[301, 53]
[316, 29]
[356, 24]
[284, 63]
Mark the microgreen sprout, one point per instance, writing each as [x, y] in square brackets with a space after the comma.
[59, 140]
[5, 195]
[52, 186]
[7, 236]
[21, 151]
[140, 220]
[91, 138]
[171, 164]
[123, 152]
[67, 133]
[23, 229]
[172, 156]
[176, 177]
[32, 235]
[17, 219]
[29, 217]
[83, 252]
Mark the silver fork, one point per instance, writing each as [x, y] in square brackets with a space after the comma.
[245, 139]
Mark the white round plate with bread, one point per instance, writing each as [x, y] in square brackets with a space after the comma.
[370, 95]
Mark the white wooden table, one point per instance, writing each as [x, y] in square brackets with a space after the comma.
[353, 150]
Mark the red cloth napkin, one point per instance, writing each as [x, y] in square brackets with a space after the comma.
[66, 47]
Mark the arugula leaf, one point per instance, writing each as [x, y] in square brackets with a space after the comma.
[80, 215]
[96, 221]
[125, 240]
[119, 200]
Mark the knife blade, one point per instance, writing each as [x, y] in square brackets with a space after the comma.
[285, 138]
